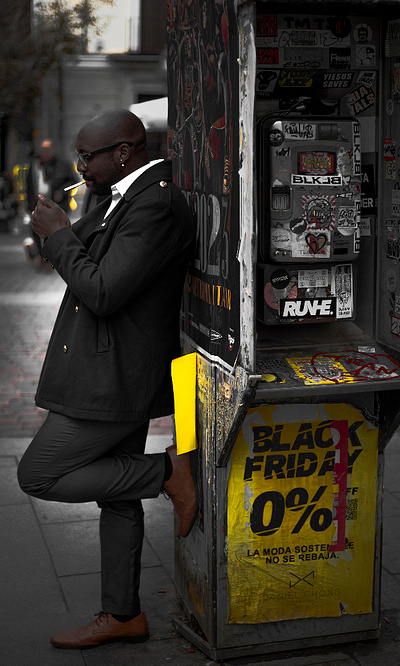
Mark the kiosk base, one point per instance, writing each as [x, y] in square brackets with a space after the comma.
[269, 648]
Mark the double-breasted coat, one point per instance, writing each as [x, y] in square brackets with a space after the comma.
[117, 329]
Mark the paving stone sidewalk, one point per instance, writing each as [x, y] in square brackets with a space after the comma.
[49, 555]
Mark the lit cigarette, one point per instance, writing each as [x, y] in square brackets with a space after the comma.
[71, 187]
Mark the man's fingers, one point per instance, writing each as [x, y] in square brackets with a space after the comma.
[48, 203]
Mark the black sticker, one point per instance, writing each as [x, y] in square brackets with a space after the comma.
[276, 137]
[280, 278]
[339, 25]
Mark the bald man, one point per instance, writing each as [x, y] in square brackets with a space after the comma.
[107, 367]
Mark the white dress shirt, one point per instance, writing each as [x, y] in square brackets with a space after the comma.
[118, 190]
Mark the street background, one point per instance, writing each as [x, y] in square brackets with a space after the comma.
[49, 559]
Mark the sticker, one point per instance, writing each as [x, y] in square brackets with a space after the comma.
[362, 33]
[280, 278]
[343, 290]
[337, 79]
[298, 225]
[276, 137]
[318, 278]
[345, 163]
[368, 197]
[319, 211]
[310, 57]
[361, 99]
[390, 170]
[347, 220]
[296, 78]
[307, 308]
[272, 296]
[316, 243]
[267, 56]
[396, 203]
[391, 280]
[266, 25]
[340, 58]
[389, 149]
[280, 238]
[313, 245]
[356, 149]
[303, 38]
[392, 42]
[284, 152]
[365, 226]
[397, 304]
[395, 326]
[390, 106]
[265, 82]
[365, 55]
[366, 78]
[392, 249]
[317, 163]
[299, 179]
[340, 26]
[396, 82]
[299, 131]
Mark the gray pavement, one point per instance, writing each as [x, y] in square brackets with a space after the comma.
[49, 555]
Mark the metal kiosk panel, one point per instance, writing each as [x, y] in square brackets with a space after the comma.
[297, 397]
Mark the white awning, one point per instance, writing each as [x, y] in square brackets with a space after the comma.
[153, 114]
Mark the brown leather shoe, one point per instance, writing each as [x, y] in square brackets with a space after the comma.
[105, 629]
[180, 488]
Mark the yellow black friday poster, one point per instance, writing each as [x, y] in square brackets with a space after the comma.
[301, 513]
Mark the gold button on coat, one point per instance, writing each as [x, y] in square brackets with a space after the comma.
[163, 183]
[76, 308]
[65, 348]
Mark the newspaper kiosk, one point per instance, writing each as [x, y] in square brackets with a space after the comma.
[284, 127]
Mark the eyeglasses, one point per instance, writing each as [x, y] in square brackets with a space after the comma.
[83, 157]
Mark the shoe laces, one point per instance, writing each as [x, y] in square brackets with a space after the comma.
[101, 617]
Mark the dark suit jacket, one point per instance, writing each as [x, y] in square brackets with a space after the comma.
[118, 326]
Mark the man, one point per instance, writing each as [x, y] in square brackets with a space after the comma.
[107, 368]
[48, 175]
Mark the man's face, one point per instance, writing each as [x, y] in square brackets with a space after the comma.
[102, 169]
[46, 152]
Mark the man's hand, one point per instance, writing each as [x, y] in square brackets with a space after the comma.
[48, 217]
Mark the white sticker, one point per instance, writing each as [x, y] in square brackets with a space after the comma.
[318, 278]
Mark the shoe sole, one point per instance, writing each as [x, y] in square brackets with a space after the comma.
[127, 639]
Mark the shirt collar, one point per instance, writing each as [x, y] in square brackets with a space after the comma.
[124, 184]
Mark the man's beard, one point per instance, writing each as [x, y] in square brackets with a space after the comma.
[99, 189]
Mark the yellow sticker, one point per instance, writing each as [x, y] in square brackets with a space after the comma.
[320, 370]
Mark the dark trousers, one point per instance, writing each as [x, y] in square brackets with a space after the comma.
[73, 460]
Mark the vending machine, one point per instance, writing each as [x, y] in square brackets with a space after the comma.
[283, 132]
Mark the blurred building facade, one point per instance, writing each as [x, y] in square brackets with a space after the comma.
[83, 86]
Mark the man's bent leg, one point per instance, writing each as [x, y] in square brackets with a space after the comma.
[72, 460]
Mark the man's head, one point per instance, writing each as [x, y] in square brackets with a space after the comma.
[46, 151]
[123, 137]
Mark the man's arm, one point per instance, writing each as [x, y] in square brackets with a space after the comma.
[149, 238]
